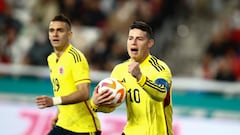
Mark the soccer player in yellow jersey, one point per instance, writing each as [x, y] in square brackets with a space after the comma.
[70, 77]
[148, 81]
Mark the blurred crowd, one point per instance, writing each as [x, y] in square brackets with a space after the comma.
[99, 27]
[221, 57]
[100, 31]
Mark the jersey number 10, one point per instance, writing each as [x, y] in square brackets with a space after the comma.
[134, 95]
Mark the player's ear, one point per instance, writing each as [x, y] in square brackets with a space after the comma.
[70, 33]
[150, 43]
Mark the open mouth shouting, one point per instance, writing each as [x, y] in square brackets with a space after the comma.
[134, 50]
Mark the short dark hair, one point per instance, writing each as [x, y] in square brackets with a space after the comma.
[63, 18]
[143, 26]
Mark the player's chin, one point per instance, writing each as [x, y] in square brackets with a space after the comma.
[55, 43]
[133, 56]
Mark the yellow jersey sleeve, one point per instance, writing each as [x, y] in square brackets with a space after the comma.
[157, 85]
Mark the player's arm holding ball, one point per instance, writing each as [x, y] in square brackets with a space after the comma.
[101, 100]
[108, 95]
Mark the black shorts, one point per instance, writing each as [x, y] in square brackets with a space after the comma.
[56, 130]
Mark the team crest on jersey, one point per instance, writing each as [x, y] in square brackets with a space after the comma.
[61, 70]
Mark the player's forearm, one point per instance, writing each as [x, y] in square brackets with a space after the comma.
[156, 91]
[97, 108]
[81, 94]
[74, 98]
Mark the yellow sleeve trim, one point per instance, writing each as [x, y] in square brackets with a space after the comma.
[142, 80]
[94, 107]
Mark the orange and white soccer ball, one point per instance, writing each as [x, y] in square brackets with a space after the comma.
[117, 88]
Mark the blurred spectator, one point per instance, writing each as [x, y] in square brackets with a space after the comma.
[39, 51]
[3, 5]
[118, 54]
[156, 12]
[220, 60]
[107, 51]
[235, 31]
[122, 16]
[43, 11]
[214, 51]
[73, 9]
[98, 53]
[9, 30]
[227, 66]
[93, 14]
[35, 48]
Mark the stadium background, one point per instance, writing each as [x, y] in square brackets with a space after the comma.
[183, 30]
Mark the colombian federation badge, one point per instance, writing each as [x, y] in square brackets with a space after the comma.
[61, 70]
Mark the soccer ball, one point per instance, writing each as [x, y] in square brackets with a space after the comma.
[117, 88]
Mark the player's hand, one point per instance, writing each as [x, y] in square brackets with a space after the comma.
[44, 102]
[103, 98]
[134, 70]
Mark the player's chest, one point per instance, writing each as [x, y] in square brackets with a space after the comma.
[59, 70]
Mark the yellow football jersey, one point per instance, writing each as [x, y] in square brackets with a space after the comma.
[70, 70]
[148, 101]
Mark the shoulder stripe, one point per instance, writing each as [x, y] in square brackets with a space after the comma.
[155, 64]
[75, 54]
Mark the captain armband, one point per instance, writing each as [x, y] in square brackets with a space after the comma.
[162, 82]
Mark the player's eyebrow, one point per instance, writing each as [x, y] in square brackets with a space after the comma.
[57, 29]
